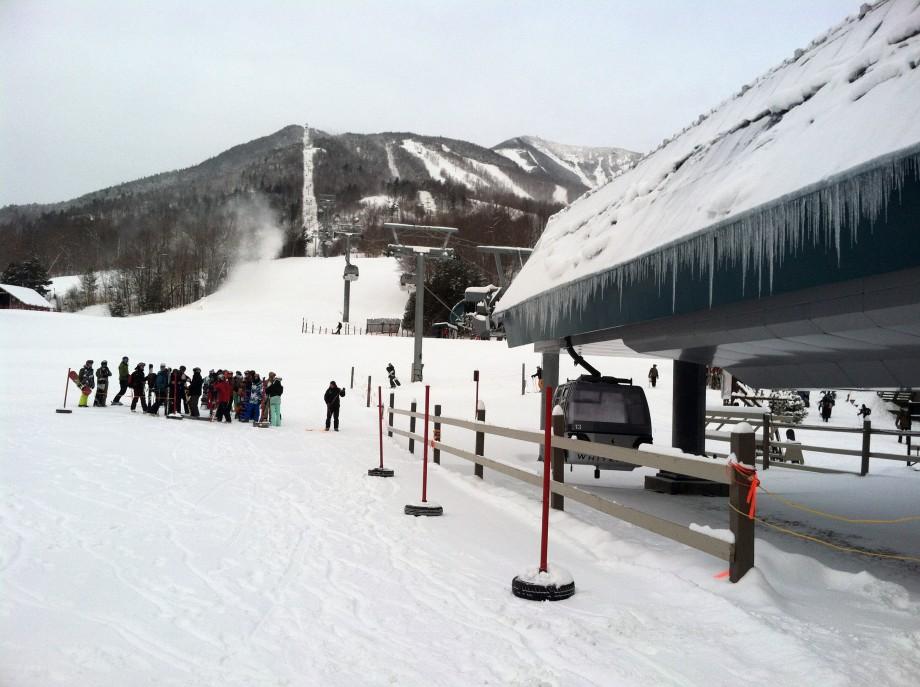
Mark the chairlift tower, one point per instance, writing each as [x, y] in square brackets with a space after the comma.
[497, 251]
[351, 271]
[420, 252]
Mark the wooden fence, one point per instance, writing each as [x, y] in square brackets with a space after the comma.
[772, 452]
[739, 555]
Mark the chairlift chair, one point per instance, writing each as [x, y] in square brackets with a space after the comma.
[351, 273]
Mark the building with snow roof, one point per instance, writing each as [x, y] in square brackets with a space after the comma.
[21, 298]
[778, 236]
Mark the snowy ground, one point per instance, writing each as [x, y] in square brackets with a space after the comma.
[140, 551]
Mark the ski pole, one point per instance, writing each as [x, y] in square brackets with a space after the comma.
[67, 386]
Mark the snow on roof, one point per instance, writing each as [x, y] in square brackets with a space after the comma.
[848, 99]
[26, 295]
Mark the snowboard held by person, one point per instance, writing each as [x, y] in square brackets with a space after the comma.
[391, 375]
[332, 398]
[86, 377]
[102, 384]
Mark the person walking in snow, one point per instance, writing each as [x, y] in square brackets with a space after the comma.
[653, 375]
[102, 384]
[391, 375]
[864, 412]
[338, 329]
[123, 380]
[194, 391]
[902, 422]
[136, 382]
[87, 379]
[825, 406]
[538, 377]
[274, 390]
[331, 397]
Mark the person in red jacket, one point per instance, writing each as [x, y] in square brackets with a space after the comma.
[224, 393]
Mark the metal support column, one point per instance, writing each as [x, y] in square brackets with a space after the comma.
[419, 316]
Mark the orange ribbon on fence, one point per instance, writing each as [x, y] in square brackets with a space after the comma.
[754, 482]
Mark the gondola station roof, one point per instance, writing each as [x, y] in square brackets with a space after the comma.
[777, 236]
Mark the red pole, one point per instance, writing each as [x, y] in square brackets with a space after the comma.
[547, 453]
[66, 386]
[425, 453]
[380, 406]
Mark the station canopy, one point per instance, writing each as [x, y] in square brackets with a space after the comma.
[774, 235]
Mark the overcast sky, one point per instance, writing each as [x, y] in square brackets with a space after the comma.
[96, 92]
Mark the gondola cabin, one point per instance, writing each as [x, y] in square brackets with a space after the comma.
[351, 273]
[606, 410]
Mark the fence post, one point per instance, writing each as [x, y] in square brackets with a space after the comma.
[866, 447]
[557, 501]
[766, 440]
[480, 439]
[437, 434]
[412, 407]
[312, 328]
[390, 423]
[742, 526]
[368, 391]
[523, 382]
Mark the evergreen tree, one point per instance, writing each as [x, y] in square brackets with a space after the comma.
[29, 273]
[444, 288]
[88, 285]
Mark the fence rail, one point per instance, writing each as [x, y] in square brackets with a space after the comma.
[739, 555]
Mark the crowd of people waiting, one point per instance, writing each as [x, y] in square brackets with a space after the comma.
[245, 396]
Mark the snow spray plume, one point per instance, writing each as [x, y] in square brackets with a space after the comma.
[260, 236]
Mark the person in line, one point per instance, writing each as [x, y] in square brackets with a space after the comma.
[194, 391]
[391, 375]
[223, 392]
[87, 378]
[161, 385]
[136, 382]
[123, 380]
[254, 400]
[274, 390]
[538, 377]
[331, 397]
[102, 384]
[653, 375]
[151, 385]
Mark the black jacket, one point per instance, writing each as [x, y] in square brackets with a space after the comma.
[194, 388]
[274, 389]
[136, 381]
[332, 396]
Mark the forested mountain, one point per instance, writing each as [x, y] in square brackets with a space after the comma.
[176, 233]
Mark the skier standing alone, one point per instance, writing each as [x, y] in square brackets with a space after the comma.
[391, 375]
[653, 375]
[331, 397]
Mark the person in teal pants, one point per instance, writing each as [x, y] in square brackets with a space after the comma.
[274, 390]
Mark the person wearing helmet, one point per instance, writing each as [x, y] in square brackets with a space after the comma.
[87, 380]
[123, 378]
[162, 387]
[102, 384]
[136, 381]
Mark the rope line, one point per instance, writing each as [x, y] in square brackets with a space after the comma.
[824, 542]
[842, 518]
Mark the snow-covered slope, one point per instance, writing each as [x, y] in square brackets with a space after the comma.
[137, 551]
[850, 97]
[588, 166]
